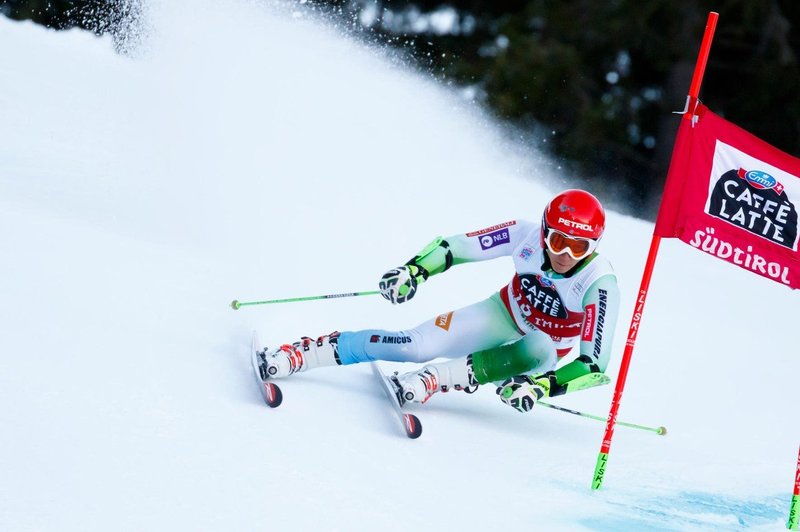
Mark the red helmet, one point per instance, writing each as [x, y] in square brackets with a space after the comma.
[577, 213]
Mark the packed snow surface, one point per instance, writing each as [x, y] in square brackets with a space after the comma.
[248, 152]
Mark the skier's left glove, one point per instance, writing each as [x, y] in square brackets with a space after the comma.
[398, 285]
[521, 392]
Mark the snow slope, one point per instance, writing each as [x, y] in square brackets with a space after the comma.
[261, 155]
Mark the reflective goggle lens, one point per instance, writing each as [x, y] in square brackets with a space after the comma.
[560, 243]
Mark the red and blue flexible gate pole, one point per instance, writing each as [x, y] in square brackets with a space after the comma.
[605, 448]
[794, 509]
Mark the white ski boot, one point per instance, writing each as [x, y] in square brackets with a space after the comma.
[302, 355]
[418, 386]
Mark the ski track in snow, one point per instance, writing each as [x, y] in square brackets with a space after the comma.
[259, 155]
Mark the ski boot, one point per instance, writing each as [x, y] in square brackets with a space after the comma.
[302, 355]
[418, 386]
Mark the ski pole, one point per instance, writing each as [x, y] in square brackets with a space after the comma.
[236, 304]
[658, 430]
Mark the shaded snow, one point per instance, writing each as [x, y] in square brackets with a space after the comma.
[257, 156]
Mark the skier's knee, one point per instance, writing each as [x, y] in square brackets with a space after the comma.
[539, 353]
[532, 353]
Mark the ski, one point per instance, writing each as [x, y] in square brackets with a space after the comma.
[410, 422]
[270, 391]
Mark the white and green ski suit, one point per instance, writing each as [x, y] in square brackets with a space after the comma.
[525, 328]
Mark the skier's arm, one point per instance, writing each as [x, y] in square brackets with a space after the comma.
[400, 284]
[496, 241]
[601, 308]
[490, 243]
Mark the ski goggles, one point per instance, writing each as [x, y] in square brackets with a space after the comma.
[559, 243]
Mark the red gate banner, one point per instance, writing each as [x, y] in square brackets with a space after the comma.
[733, 196]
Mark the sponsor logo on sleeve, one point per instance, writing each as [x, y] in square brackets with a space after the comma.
[375, 338]
[495, 238]
[588, 323]
[601, 318]
[526, 253]
[492, 229]
[443, 321]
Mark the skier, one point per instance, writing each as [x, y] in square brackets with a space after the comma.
[562, 293]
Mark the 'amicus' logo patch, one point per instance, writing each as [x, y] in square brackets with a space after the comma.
[396, 339]
[389, 339]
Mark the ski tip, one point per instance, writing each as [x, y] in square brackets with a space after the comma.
[413, 426]
[273, 395]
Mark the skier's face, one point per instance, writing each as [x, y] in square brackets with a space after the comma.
[561, 263]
